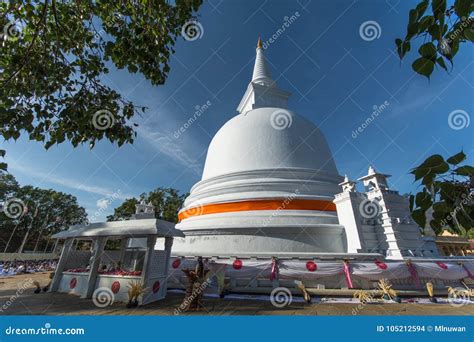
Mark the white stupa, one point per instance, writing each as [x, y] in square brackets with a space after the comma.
[268, 183]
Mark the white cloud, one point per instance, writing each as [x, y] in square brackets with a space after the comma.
[103, 203]
[170, 147]
[45, 177]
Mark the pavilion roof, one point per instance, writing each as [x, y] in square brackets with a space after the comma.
[128, 228]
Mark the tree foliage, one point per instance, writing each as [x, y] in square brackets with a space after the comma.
[165, 201]
[443, 29]
[42, 212]
[447, 196]
[54, 57]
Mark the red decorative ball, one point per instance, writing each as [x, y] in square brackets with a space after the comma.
[73, 283]
[442, 265]
[156, 287]
[176, 263]
[115, 287]
[311, 266]
[237, 264]
[381, 264]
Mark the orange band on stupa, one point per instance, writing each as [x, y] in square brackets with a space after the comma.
[276, 204]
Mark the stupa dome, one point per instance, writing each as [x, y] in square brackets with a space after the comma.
[268, 183]
[268, 138]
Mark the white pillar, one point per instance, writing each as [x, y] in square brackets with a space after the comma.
[150, 247]
[61, 264]
[123, 247]
[98, 249]
[168, 245]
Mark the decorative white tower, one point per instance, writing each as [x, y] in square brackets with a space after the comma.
[144, 210]
[379, 220]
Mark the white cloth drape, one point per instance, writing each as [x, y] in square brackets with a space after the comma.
[371, 271]
[435, 271]
[298, 270]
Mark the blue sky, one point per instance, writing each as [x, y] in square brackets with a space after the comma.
[335, 76]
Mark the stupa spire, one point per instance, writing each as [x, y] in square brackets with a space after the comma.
[261, 71]
[262, 90]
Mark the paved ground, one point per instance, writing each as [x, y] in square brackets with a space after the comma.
[28, 303]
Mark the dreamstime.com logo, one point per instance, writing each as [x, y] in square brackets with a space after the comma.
[369, 209]
[46, 330]
[370, 30]
[13, 208]
[102, 297]
[192, 30]
[103, 119]
[13, 31]
[458, 296]
[281, 297]
[281, 119]
[458, 119]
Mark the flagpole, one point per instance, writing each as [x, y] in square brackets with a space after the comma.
[20, 250]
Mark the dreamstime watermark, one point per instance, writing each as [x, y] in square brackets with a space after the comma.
[458, 296]
[103, 119]
[367, 298]
[452, 215]
[199, 110]
[46, 330]
[21, 288]
[377, 110]
[192, 30]
[13, 31]
[458, 119]
[281, 297]
[287, 22]
[444, 44]
[369, 209]
[102, 297]
[281, 119]
[283, 206]
[14, 208]
[370, 30]
[104, 203]
[193, 211]
[189, 299]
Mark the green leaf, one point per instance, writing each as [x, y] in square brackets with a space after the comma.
[3, 166]
[441, 63]
[438, 7]
[419, 217]
[425, 22]
[436, 225]
[421, 8]
[457, 158]
[2, 153]
[434, 164]
[402, 47]
[441, 207]
[423, 200]
[469, 34]
[428, 51]
[413, 16]
[462, 7]
[465, 171]
[423, 66]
